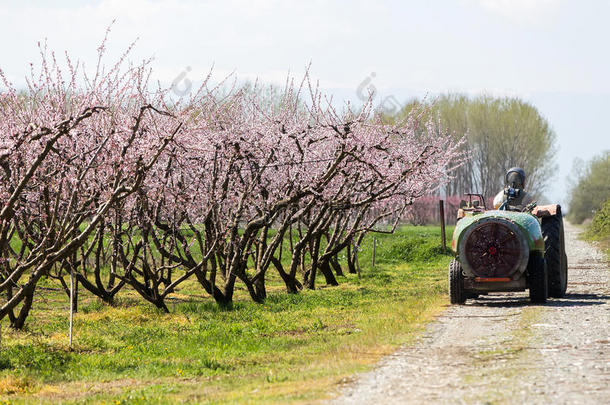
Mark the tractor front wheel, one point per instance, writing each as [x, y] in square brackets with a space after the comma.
[457, 295]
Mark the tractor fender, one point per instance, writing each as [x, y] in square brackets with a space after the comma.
[543, 211]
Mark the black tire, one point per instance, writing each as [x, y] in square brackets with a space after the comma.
[555, 255]
[537, 278]
[456, 287]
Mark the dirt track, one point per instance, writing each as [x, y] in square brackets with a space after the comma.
[501, 349]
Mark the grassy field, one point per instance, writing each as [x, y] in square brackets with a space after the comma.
[293, 348]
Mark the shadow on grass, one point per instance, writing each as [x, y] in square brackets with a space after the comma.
[570, 300]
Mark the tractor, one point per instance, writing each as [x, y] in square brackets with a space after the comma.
[512, 248]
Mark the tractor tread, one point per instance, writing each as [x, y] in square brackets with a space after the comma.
[457, 294]
[554, 253]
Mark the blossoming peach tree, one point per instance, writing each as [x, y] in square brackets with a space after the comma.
[108, 177]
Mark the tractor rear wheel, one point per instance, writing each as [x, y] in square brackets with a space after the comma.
[555, 255]
[537, 278]
[457, 295]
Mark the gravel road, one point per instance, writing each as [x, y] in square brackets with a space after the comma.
[500, 349]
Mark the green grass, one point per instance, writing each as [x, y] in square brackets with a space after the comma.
[599, 228]
[292, 348]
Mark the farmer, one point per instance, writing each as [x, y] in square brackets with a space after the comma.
[515, 180]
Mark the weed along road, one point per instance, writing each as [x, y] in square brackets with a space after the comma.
[501, 349]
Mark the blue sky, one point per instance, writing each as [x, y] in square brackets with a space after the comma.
[552, 53]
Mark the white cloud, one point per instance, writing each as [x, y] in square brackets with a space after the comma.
[526, 12]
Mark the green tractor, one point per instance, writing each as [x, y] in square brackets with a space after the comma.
[513, 248]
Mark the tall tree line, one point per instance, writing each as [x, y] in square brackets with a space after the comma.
[590, 187]
[500, 133]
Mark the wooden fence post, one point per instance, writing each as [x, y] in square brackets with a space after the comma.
[441, 207]
[356, 247]
[374, 246]
[71, 304]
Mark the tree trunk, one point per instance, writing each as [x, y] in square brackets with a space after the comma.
[351, 267]
[310, 277]
[259, 289]
[19, 321]
[334, 262]
[328, 273]
[102, 294]
[229, 289]
[211, 289]
[293, 286]
[160, 303]
[11, 314]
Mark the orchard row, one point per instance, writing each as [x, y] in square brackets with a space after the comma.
[104, 175]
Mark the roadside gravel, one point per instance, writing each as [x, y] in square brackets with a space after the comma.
[500, 349]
